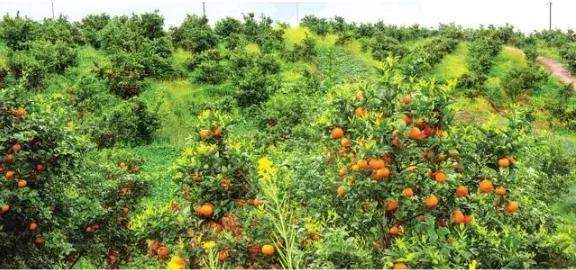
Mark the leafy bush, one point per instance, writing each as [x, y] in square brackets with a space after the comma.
[423, 57]
[382, 46]
[209, 67]
[194, 34]
[41, 57]
[520, 80]
[305, 51]
[91, 25]
[255, 77]
[128, 123]
[317, 25]
[18, 32]
[56, 208]
[568, 54]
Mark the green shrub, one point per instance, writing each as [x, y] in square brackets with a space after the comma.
[522, 80]
[91, 25]
[568, 54]
[382, 46]
[128, 123]
[17, 32]
[194, 34]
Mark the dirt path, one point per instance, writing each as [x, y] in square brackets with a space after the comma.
[558, 71]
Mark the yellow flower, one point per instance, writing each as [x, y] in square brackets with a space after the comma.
[265, 168]
[176, 263]
[209, 245]
[472, 265]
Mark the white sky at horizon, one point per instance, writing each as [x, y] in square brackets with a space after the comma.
[525, 15]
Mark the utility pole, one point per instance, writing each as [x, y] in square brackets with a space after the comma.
[52, 9]
[550, 16]
[204, 9]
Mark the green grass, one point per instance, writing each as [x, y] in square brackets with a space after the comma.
[171, 100]
[179, 59]
[507, 59]
[177, 103]
[477, 111]
[3, 54]
[544, 50]
[452, 65]
[158, 159]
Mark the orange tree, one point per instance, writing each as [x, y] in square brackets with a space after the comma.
[401, 171]
[217, 181]
[55, 208]
[38, 162]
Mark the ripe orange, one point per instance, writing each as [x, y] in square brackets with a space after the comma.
[345, 143]
[39, 240]
[154, 245]
[337, 133]
[415, 134]
[486, 186]
[22, 183]
[16, 147]
[461, 191]
[342, 172]
[5, 208]
[223, 255]
[407, 99]
[205, 133]
[391, 206]
[407, 119]
[355, 168]
[360, 112]
[400, 266]
[504, 163]
[468, 219]
[40, 167]
[218, 132]
[10, 174]
[341, 191]
[196, 178]
[363, 164]
[20, 112]
[440, 177]
[380, 174]
[206, 210]
[431, 201]
[512, 207]
[268, 250]
[500, 191]
[395, 230]
[407, 192]
[33, 226]
[376, 163]
[458, 217]
[163, 251]
[256, 202]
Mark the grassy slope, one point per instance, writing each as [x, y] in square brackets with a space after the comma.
[452, 65]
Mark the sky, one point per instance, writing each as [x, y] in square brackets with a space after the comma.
[525, 15]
